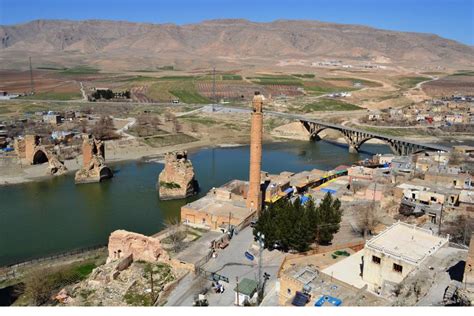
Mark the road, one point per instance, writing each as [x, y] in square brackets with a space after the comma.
[230, 263]
[84, 95]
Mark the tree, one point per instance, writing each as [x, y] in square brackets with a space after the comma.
[176, 234]
[296, 226]
[104, 128]
[329, 215]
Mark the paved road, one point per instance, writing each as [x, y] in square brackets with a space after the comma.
[231, 263]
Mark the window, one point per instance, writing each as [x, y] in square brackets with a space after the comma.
[397, 268]
[375, 259]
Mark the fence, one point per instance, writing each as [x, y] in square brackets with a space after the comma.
[9, 271]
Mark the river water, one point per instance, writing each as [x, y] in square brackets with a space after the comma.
[55, 215]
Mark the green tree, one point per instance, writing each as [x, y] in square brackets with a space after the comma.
[329, 217]
[296, 226]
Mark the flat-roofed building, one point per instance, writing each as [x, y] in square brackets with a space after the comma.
[391, 255]
[220, 208]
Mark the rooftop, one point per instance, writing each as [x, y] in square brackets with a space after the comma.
[407, 242]
[246, 287]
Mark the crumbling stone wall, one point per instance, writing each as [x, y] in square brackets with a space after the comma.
[177, 181]
[93, 168]
[123, 243]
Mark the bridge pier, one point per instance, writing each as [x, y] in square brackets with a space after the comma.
[353, 149]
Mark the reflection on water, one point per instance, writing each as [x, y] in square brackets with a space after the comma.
[56, 215]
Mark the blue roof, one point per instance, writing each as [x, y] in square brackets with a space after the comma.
[332, 191]
[288, 191]
[328, 299]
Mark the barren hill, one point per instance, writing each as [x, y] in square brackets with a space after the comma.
[231, 43]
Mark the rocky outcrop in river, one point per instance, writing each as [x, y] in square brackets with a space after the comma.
[177, 181]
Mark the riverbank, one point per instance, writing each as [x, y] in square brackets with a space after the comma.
[14, 172]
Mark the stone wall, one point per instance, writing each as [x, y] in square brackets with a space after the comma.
[123, 243]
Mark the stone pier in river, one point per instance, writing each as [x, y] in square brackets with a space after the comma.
[176, 181]
[93, 168]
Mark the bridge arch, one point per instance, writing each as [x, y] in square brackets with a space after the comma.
[40, 156]
[387, 142]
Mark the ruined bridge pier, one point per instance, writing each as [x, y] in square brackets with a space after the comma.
[356, 138]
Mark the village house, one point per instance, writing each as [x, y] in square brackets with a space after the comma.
[391, 255]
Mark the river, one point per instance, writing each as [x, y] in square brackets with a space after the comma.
[55, 215]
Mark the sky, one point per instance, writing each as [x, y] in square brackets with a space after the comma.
[453, 19]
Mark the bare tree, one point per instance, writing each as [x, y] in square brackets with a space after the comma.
[367, 216]
[176, 233]
[194, 127]
[104, 128]
[177, 127]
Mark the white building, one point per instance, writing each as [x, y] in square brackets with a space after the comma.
[391, 255]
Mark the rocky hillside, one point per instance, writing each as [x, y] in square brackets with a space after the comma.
[227, 41]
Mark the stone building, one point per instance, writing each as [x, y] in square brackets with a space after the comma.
[391, 255]
[123, 244]
[177, 180]
[220, 208]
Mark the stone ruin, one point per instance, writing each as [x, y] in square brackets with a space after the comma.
[31, 150]
[177, 181]
[123, 244]
[93, 168]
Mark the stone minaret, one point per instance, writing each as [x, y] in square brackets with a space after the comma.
[254, 195]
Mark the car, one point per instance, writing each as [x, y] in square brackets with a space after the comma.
[253, 223]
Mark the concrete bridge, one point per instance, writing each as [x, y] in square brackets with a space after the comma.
[355, 138]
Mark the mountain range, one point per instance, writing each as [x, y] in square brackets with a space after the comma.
[231, 43]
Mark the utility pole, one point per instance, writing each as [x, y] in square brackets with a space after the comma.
[230, 216]
[32, 85]
[214, 84]
[237, 289]
[261, 243]
[440, 218]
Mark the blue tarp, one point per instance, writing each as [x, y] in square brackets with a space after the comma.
[304, 199]
[332, 191]
[330, 299]
[288, 191]
[7, 149]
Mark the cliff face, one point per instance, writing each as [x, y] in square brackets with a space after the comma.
[176, 181]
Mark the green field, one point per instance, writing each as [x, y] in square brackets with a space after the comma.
[160, 141]
[80, 70]
[189, 96]
[410, 82]
[307, 76]
[176, 78]
[464, 73]
[277, 80]
[329, 105]
[319, 90]
[364, 82]
[51, 68]
[231, 77]
[62, 96]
